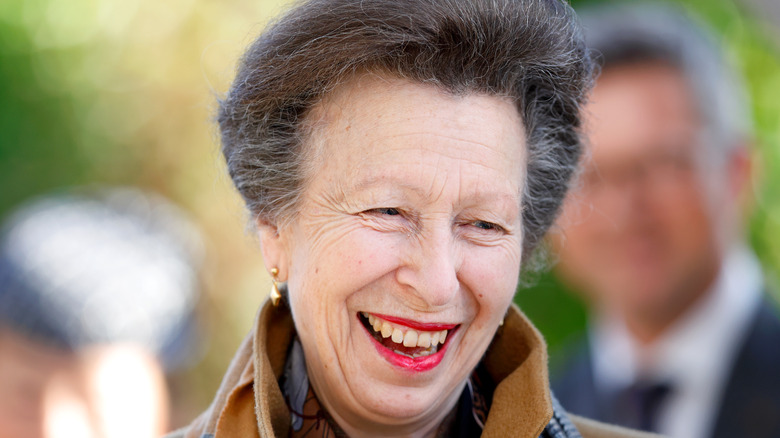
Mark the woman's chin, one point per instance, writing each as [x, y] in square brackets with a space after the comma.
[398, 405]
[401, 388]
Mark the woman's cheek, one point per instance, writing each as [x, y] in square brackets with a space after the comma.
[369, 253]
[494, 275]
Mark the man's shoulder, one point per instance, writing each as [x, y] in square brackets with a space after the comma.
[182, 433]
[572, 377]
[175, 434]
[759, 351]
[593, 429]
[752, 393]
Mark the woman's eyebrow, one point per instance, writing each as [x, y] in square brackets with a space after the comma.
[504, 199]
[374, 180]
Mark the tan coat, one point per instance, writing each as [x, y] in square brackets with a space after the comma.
[250, 402]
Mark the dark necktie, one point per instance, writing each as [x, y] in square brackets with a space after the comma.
[637, 406]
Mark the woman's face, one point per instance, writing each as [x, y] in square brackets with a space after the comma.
[408, 235]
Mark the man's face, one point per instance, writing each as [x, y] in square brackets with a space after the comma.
[639, 235]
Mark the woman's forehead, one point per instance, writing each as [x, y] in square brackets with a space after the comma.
[371, 108]
[377, 86]
[386, 129]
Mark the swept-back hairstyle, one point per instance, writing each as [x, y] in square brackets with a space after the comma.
[531, 51]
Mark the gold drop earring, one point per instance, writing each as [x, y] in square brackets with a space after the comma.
[276, 295]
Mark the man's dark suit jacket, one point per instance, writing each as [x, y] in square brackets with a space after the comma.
[751, 402]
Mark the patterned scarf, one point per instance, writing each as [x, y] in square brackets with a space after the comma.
[466, 420]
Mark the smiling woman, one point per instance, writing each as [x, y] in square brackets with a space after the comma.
[440, 164]
[401, 160]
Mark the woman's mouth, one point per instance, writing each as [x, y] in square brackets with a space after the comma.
[408, 347]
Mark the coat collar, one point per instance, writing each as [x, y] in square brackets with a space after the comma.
[250, 400]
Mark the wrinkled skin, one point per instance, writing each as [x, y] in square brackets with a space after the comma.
[412, 211]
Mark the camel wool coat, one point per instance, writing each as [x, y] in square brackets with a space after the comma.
[249, 402]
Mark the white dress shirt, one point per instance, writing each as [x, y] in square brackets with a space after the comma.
[695, 355]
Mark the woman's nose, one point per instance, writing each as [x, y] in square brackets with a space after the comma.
[431, 270]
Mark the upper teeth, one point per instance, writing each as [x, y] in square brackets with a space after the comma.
[409, 337]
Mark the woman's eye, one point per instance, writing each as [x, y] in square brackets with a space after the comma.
[385, 218]
[386, 211]
[483, 225]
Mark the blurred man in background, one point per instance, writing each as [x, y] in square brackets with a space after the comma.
[682, 338]
[97, 292]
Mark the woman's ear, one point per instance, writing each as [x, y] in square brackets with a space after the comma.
[274, 247]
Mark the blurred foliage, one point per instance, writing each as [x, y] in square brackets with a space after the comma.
[123, 93]
[106, 92]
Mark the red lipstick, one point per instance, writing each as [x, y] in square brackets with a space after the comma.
[412, 364]
[424, 326]
[417, 364]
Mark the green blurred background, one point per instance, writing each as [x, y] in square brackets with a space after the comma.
[123, 93]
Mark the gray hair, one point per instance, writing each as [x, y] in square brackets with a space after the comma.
[529, 50]
[659, 32]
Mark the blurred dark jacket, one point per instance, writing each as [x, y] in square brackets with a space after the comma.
[751, 401]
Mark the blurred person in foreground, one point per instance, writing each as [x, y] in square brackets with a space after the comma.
[96, 294]
[401, 159]
[682, 339]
